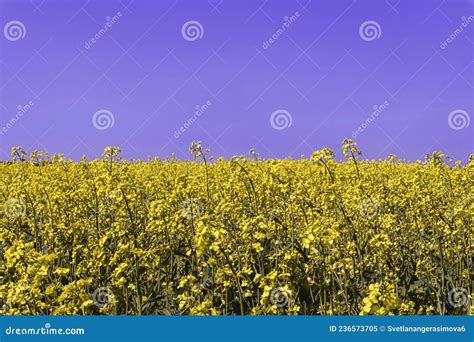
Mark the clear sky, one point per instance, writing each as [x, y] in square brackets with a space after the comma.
[282, 77]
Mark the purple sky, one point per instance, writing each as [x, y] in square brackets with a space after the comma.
[321, 72]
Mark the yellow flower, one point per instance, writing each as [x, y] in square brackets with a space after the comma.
[319, 236]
